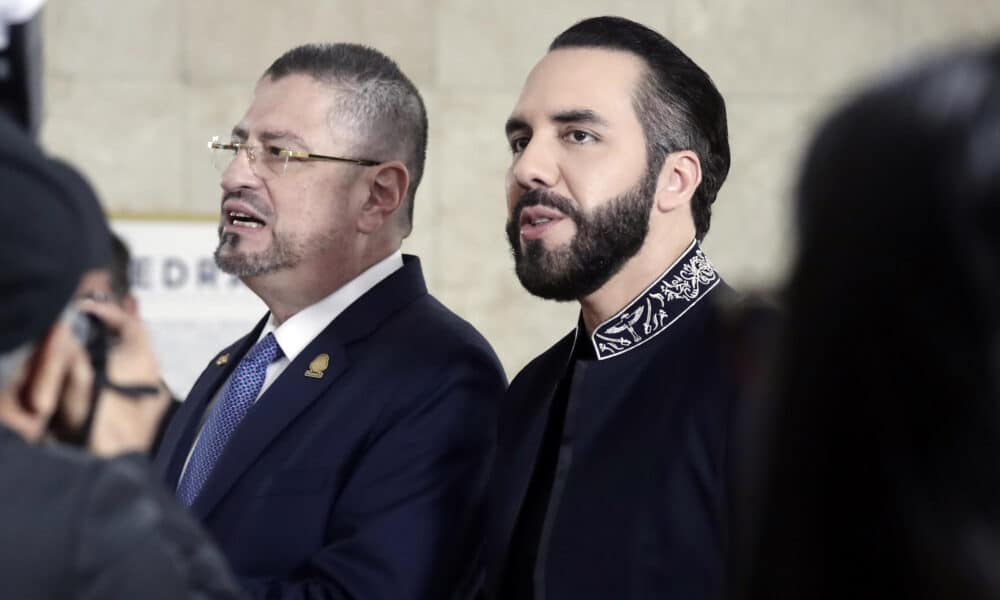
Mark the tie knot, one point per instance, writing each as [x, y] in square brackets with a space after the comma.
[265, 352]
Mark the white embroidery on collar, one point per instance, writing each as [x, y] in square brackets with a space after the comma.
[680, 287]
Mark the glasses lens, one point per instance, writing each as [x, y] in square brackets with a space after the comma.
[273, 161]
[269, 161]
[223, 155]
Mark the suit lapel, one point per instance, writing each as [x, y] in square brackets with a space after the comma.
[294, 391]
[183, 427]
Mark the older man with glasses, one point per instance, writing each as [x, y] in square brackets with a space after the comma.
[341, 448]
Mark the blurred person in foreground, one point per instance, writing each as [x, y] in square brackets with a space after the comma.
[880, 475]
[613, 463]
[111, 282]
[340, 449]
[74, 525]
[106, 275]
[108, 280]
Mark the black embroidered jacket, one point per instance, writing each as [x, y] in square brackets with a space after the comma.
[612, 473]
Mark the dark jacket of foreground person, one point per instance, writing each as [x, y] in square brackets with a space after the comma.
[75, 526]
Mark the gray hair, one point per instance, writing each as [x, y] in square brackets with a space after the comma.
[375, 98]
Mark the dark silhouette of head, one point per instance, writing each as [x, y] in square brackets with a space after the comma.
[882, 476]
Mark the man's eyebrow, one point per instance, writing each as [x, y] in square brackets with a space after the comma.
[239, 133]
[270, 136]
[514, 124]
[579, 115]
[574, 115]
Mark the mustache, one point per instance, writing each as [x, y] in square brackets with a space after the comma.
[250, 198]
[541, 197]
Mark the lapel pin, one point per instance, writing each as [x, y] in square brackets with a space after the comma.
[318, 366]
[222, 359]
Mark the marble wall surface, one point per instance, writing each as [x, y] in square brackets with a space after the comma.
[134, 88]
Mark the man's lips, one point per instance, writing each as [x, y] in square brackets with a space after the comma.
[536, 220]
[239, 215]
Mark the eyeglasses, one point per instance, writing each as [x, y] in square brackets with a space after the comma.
[270, 161]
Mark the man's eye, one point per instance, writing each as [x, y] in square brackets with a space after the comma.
[274, 151]
[518, 144]
[579, 137]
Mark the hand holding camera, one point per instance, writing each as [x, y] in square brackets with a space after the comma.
[132, 400]
[109, 398]
[56, 386]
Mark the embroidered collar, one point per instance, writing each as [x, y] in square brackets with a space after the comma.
[679, 288]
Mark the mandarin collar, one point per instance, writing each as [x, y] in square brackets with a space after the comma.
[685, 283]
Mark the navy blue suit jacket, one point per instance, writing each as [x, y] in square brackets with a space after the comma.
[368, 482]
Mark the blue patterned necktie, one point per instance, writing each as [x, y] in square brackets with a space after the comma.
[244, 385]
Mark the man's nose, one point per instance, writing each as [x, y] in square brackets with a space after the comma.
[536, 166]
[239, 173]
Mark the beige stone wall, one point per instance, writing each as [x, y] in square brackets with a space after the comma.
[136, 87]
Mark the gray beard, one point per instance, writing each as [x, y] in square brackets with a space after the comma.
[284, 253]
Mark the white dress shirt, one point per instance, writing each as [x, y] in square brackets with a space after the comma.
[302, 328]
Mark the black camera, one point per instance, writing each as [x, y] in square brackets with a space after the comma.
[94, 337]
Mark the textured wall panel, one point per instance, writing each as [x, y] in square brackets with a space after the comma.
[136, 87]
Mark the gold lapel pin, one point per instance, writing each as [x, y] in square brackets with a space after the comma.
[222, 359]
[318, 366]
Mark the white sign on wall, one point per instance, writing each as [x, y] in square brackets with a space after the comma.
[192, 309]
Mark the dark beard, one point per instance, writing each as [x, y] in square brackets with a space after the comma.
[605, 240]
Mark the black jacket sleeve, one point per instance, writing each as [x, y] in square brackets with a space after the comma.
[135, 541]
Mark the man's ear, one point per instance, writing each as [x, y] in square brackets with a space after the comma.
[386, 191]
[679, 178]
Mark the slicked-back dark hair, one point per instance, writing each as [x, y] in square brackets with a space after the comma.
[374, 96]
[676, 102]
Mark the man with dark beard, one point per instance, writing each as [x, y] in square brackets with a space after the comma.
[341, 449]
[613, 456]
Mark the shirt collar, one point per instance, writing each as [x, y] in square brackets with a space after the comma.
[301, 328]
[689, 279]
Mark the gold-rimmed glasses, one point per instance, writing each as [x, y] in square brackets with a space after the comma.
[268, 160]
